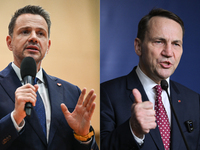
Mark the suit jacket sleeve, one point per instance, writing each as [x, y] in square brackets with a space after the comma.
[8, 133]
[30, 137]
[116, 100]
[71, 95]
[113, 136]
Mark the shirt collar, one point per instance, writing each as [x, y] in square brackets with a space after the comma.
[39, 74]
[147, 83]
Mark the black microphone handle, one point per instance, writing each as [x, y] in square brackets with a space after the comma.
[28, 105]
[172, 108]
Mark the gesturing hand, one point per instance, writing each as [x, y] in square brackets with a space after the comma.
[79, 119]
[142, 115]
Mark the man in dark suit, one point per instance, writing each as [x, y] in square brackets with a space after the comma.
[66, 111]
[129, 117]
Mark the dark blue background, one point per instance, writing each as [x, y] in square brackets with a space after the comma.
[118, 29]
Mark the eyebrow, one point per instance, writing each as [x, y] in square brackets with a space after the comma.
[27, 27]
[163, 39]
[178, 41]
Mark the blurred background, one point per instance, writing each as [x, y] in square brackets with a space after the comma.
[74, 53]
[118, 29]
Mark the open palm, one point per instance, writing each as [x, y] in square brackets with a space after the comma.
[79, 119]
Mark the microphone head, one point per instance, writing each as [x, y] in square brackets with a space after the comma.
[164, 85]
[28, 67]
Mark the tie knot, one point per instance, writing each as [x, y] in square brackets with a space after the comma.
[158, 89]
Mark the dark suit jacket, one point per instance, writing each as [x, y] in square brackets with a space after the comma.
[31, 137]
[116, 100]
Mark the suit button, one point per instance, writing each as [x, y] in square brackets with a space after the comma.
[6, 139]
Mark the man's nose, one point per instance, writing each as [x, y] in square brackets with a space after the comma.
[33, 37]
[167, 50]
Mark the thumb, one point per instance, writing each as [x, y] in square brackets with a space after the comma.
[137, 96]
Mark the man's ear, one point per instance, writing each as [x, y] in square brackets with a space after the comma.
[9, 42]
[138, 46]
[49, 45]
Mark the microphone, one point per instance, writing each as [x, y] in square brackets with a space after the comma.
[28, 73]
[164, 86]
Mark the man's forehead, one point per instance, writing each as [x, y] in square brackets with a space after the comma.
[28, 20]
[30, 17]
[162, 26]
[154, 21]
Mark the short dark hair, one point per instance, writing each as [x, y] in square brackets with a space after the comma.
[143, 24]
[29, 9]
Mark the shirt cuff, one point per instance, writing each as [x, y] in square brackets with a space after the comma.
[21, 125]
[138, 140]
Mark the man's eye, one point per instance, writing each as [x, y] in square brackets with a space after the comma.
[25, 32]
[158, 42]
[176, 44]
[41, 33]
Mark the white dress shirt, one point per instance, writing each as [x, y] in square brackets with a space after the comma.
[148, 85]
[43, 91]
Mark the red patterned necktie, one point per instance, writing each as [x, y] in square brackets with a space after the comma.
[162, 118]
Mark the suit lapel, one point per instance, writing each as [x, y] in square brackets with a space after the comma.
[9, 81]
[134, 82]
[55, 91]
[176, 137]
[35, 124]
[56, 98]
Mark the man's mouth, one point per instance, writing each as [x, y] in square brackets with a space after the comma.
[166, 64]
[32, 47]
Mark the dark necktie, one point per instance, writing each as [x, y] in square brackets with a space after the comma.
[40, 110]
[162, 118]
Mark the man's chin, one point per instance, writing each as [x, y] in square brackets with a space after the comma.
[165, 76]
[32, 55]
